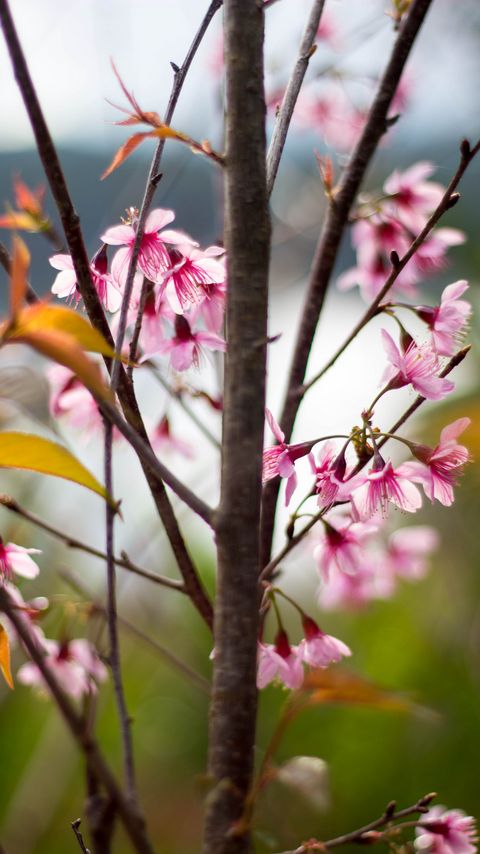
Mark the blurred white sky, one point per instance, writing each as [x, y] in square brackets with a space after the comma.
[69, 45]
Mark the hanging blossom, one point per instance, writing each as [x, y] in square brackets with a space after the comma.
[279, 661]
[70, 399]
[332, 481]
[417, 366]
[386, 484]
[75, 664]
[341, 547]
[191, 273]
[163, 440]
[448, 320]
[15, 560]
[331, 114]
[319, 649]
[153, 257]
[438, 469]
[280, 460]
[407, 552]
[186, 346]
[443, 831]
[65, 284]
[412, 197]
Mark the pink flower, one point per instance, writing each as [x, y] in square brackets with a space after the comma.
[153, 258]
[70, 399]
[413, 198]
[331, 478]
[186, 345]
[443, 831]
[385, 484]
[354, 591]
[447, 320]
[15, 559]
[212, 308]
[341, 548]
[162, 440]
[418, 366]
[408, 549]
[280, 460]
[440, 467]
[190, 275]
[332, 115]
[75, 664]
[329, 31]
[319, 649]
[65, 284]
[279, 661]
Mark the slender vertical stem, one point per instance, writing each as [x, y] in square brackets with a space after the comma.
[247, 241]
[330, 238]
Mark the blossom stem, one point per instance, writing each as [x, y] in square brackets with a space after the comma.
[284, 117]
[330, 239]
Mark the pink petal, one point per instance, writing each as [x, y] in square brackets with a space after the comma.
[119, 235]
[157, 219]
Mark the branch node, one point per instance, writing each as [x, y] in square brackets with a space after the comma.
[465, 149]
[454, 198]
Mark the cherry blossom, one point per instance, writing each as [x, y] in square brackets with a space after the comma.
[192, 271]
[75, 664]
[70, 399]
[438, 468]
[447, 321]
[280, 460]
[186, 345]
[412, 197]
[332, 482]
[162, 439]
[443, 831]
[407, 551]
[385, 484]
[417, 366]
[15, 559]
[319, 649]
[353, 591]
[279, 661]
[65, 284]
[153, 257]
[341, 547]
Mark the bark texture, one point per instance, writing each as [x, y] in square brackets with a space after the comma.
[247, 239]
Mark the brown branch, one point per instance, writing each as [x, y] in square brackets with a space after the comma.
[466, 156]
[285, 113]
[124, 561]
[361, 835]
[329, 242]
[247, 243]
[75, 825]
[132, 821]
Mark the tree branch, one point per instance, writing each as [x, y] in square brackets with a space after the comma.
[329, 242]
[285, 113]
[132, 821]
[247, 243]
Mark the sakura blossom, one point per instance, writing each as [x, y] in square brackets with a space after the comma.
[341, 547]
[153, 257]
[355, 590]
[280, 460]
[412, 197]
[186, 346]
[279, 661]
[385, 484]
[65, 284]
[448, 320]
[319, 649]
[331, 114]
[408, 550]
[16, 560]
[438, 469]
[332, 481]
[70, 399]
[163, 440]
[191, 273]
[443, 831]
[75, 664]
[417, 366]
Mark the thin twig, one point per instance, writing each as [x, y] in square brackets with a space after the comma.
[466, 157]
[297, 538]
[75, 825]
[165, 653]
[361, 834]
[124, 561]
[152, 182]
[284, 116]
[178, 397]
[132, 821]
[111, 615]
[330, 238]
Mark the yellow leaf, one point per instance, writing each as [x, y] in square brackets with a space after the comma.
[18, 283]
[34, 453]
[20, 220]
[5, 657]
[125, 151]
[42, 316]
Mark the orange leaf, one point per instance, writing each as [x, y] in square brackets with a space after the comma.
[340, 686]
[18, 277]
[5, 657]
[42, 316]
[26, 199]
[125, 150]
[18, 219]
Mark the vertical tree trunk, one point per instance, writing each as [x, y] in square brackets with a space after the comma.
[247, 241]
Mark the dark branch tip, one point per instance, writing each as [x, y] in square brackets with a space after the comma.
[394, 259]
[465, 149]
[175, 67]
[454, 198]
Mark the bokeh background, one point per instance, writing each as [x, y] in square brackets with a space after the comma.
[424, 644]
